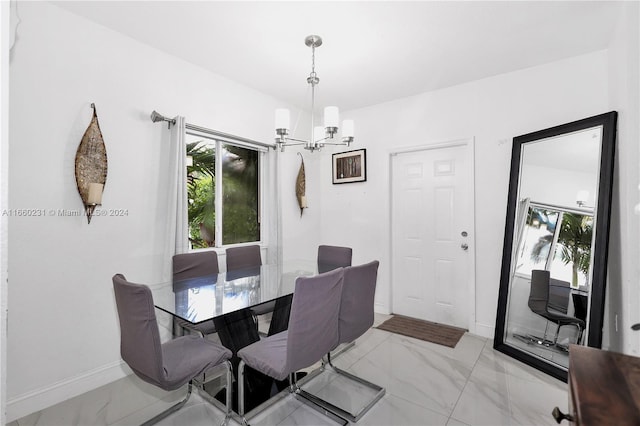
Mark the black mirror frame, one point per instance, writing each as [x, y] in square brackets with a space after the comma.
[603, 214]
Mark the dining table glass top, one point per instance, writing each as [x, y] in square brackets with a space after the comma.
[203, 298]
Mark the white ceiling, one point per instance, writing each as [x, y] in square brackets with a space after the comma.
[373, 51]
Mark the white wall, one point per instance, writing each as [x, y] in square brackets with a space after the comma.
[4, 196]
[63, 334]
[493, 111]
[623, 290]
[540, 184]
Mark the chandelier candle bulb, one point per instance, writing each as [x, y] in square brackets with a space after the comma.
[347, 129]
[282, 119]
[331, 117]
[318, 136]
[582, 197]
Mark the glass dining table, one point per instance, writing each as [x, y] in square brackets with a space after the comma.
[199, 300]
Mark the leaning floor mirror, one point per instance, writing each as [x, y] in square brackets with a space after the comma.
[554, 261]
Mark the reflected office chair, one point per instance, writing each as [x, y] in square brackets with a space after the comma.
[194, 265]
[332, 257]
[355, 318]
[169, 365]
[312, 332]
[539, 303]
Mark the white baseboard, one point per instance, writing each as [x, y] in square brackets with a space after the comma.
[381, 308]
[485, 330]
[39, 399]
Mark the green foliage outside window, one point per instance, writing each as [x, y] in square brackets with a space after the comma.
[240, 194]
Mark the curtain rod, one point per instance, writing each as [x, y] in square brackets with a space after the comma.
[227, 136]
[156, 117]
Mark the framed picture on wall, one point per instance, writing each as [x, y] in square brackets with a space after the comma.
[350, 166]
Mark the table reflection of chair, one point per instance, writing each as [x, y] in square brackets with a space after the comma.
[163, 364]
[193, 265]
[237, 330]
[243, 261]
[549, 298]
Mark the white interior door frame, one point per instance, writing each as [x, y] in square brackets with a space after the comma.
[469, 144]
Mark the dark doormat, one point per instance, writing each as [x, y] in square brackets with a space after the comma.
[441, 334]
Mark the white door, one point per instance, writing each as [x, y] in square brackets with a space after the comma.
[432, 223]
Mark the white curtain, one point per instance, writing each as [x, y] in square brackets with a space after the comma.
[178, 233]
[522, 213]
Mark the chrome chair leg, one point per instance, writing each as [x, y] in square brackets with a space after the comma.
[171, 409]
[228, 405]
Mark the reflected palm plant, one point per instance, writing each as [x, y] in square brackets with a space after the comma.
[575, 236]
[574, 239]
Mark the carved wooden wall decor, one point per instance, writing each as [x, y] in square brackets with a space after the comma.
[301, 187]
[91, 166]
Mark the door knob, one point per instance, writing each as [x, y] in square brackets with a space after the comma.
[560, 416]
[464, 246]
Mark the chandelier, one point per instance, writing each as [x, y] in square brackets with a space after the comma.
[320, 136]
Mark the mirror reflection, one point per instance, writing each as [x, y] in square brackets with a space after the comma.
[547, 284]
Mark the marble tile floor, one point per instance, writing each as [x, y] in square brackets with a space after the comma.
[426, 384]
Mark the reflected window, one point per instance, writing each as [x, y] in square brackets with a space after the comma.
[559, 241]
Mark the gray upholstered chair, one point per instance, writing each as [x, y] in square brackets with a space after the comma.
[355, 318]
[168, 365]
[312, 332]
[243, 257]
[194, 265]
[329, 258]
[541, 303]
[332, 257]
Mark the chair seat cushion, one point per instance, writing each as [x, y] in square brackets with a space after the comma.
[563, 319]
[268, 356]
[188, 356]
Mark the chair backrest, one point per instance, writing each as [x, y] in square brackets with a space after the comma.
[356, 305]
[243, 257]
[140, 345]
[313, 322]
[196, 264]
[539, 292]
[559, 294]
[332, 257]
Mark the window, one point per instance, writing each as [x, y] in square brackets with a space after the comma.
[223, 191]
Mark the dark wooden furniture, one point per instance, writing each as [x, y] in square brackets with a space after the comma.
[604, 388]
